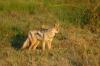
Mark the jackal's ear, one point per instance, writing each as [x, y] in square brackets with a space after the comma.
[56, 25]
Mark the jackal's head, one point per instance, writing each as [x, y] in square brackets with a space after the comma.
[56, 28]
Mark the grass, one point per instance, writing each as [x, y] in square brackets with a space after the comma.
[72, 46]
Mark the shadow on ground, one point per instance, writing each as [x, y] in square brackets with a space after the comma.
[17, 40]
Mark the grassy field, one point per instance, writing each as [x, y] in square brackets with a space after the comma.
[77, 43]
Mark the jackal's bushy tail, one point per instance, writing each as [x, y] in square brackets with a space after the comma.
[26, 44]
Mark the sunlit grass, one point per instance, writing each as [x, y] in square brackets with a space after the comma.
[72, 46]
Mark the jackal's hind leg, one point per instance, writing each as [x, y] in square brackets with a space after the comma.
[36, 45]
[32, 43]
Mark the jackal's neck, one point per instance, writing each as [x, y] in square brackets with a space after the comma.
[51, 32]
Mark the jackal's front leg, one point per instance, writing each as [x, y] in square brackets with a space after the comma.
[49, 44]
[43, 46]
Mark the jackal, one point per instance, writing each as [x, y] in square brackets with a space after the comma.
[44, 35]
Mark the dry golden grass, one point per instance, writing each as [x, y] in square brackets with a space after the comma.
[73, 45]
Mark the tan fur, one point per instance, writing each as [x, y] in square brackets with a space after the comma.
[45, 36]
